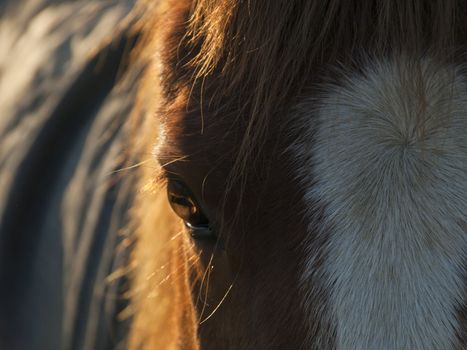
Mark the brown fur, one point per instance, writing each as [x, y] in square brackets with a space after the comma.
[224, 75]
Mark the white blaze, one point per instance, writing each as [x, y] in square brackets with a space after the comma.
[389, 164]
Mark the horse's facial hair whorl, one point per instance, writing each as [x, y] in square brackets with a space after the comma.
[388, 164]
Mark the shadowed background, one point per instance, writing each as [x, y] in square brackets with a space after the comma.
[65, 96]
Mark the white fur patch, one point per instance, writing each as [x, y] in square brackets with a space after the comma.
[389, 165]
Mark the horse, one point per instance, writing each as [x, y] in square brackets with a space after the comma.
[309, 184]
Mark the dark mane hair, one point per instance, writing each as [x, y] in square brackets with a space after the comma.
[249, 60]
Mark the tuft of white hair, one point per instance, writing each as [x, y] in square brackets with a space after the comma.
[387, 155]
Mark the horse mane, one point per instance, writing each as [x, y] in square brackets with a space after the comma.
[271, 49]
[252, 59]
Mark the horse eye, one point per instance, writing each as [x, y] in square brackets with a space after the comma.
[185, 206]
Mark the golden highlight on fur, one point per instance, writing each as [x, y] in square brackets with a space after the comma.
[253, 59]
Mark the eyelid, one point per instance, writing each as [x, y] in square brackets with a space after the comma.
[165, 175]
[203, 232]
